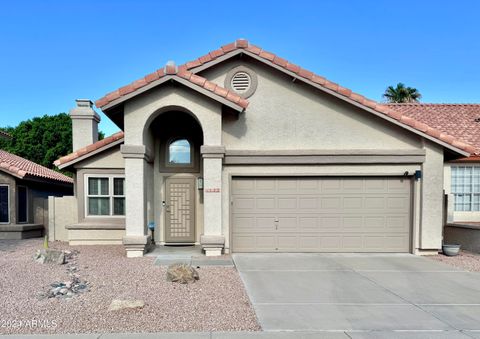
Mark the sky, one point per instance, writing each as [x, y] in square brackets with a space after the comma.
[53, 52]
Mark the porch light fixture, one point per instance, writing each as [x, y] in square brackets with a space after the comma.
[200, 183]
[418, 175]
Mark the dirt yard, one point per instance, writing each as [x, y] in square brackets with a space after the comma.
[216, 302]
[465, 260]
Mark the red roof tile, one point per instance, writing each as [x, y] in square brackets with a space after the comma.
[274, 60]
[21, 167]
[88, 149]
[460, 121]
[181, 72]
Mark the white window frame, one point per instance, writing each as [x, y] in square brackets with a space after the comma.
[110, 195]
[472, 192]
[8, 204]
[18, 206]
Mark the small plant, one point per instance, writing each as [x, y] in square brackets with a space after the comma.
[45, 242]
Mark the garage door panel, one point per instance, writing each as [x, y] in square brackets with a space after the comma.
[321, 215]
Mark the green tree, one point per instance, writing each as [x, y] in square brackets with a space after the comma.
[401, 94]
[41, 139]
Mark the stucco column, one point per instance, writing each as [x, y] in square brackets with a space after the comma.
[136, 240]
[212, 239]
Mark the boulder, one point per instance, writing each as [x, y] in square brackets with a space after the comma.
[48, 256]
[117, 304]
[182, 273]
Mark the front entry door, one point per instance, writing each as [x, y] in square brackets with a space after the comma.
[180, 210]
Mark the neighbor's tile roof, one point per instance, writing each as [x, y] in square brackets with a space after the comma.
[89, 149]
[276, 61]
[172, 70]
[462, 121]
[20, 167]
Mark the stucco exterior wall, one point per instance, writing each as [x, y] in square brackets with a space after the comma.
[62, 211]
[431, 223]
[111, 158]
[287, 115]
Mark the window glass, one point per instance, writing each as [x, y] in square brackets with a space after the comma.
[4, 217]
[22, 203]
[179, 152]
[106, 196]
[465, 186]
[118, 186]
[98, 186]
[99, 206]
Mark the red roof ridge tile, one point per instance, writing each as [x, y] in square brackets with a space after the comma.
[89, 149]
[172, 70]
[21, 167]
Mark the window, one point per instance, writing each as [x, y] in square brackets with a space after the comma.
[179, 152]
[466, 188]
[4, 204]
[105, 196]
[22, 198]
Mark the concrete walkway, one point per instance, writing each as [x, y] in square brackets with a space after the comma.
[267, 335]
[361, 293]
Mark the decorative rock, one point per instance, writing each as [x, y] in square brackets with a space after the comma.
[49, 256]
[125, 304]
[182, 273]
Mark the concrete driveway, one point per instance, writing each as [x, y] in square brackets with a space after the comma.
[361, 293]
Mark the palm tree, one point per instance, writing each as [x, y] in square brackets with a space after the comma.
[401, 94]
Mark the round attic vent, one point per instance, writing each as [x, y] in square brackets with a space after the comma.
[241, 80]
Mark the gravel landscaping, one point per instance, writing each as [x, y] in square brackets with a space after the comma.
[465, 260]
[216, 302]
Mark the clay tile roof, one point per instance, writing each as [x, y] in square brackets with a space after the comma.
[21, 168]
[89, 149]
[460, 121]
[270, 58]
[180, 72]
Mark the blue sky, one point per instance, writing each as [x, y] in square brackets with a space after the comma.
[53, 52]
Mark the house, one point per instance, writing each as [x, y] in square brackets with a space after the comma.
[24, 188]
[243, 151]
[461, 176]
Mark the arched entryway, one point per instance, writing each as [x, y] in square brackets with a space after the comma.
[176, 138]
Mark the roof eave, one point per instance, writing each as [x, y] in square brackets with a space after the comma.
[163, 80]
[88, 155]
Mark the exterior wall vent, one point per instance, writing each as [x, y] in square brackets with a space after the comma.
[242, 81]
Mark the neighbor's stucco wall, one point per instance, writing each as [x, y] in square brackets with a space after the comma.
[283, 114]
[447, 182]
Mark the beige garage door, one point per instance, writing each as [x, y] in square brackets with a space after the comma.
[321, 214]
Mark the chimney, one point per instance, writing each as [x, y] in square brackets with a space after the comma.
[84, 124]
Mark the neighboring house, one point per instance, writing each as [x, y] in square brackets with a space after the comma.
[461, 176]
[24, 188]
[4, 135]
[243, 151]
